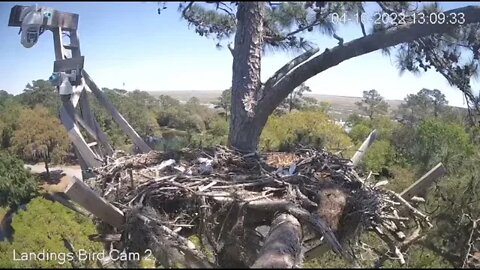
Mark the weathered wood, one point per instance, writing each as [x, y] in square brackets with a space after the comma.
[80, 193]
[58, 198]
[422, 184]
[90, 120]
[124, 125]
[282, 247]
[358, 156]
[78, 141]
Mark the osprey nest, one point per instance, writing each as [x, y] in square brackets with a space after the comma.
[249, 210]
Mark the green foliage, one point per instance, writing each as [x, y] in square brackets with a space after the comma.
[167, 102]
[9, 113]
[43, 226]
[208, 22]
[426, 103]
[361, 127]
[41, 92]
[17, 185]
[380, 155]
[355, 119]
[40, 136]
[403, 176]
[359, 132]
[438, 141]
[324, 106]
[5, 97]
[224, 102]
[372, 104]
[295, 100]
[454, 203]
[179, 118]
[454, 55]
[328, 260]
[200, 112]
[217, 133]
[404, 149]
[316, 129]
[419, 258]
[138, 108]
[385, 127]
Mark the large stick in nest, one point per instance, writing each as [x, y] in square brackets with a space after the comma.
[218, 194]
[282, 249]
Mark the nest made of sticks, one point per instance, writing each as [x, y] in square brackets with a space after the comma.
[223, 196]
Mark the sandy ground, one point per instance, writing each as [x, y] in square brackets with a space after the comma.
[74, 170]
[59, 183]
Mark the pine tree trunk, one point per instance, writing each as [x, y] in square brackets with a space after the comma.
[245, 128]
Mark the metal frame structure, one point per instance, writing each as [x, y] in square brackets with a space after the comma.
[76, 112]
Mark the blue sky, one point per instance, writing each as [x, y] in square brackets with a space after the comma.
[130, 43]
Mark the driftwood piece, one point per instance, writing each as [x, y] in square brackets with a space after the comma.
[282, 247]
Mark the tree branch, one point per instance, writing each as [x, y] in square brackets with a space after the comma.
[357, 47]
[288, 67]
[361, 23]
[282, 248]
[340, 40]
[229, 11]
[184, 11]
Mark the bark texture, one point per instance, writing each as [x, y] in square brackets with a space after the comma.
[282, 247]
[246, 125]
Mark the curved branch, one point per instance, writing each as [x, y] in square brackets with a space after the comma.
[340, 40]
[357, 47]
[289, 66]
